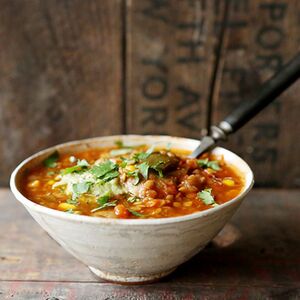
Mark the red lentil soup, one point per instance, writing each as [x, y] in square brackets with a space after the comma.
[131, 182]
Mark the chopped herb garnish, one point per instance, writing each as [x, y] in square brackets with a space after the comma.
[143, 155]
[118, 152]
[144, 169]
[119, 143]
[80, 188]
[81, 164]
[123, 163]
[126, 161]
[136, 176]
[50, 173]
[72, 201]
[110, 175]
[206, 196]
[205, 163]
[103, 199]
[51, 160]
[135, 213]
[104, 204]
[105, 171]
[133, 199]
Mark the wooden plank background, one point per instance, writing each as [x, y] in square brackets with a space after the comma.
[75, 69]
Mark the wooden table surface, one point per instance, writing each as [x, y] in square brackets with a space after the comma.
[257, 256]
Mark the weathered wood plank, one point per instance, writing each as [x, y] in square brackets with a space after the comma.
[261, 249]
[60, 74]
[260, 37]
[95, 291]
[170, 57]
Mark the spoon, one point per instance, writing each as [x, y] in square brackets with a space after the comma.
[247, 110]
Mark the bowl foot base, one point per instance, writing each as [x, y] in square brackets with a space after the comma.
[130, 279]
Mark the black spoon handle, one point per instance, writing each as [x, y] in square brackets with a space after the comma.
[268, 93]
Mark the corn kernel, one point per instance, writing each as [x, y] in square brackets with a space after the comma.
[228, 182]
[188, 203]
[158, 210]
[66, 206]
[57, 178]
[130, 168]
[176, 204]
[35, 183]
[51, 182]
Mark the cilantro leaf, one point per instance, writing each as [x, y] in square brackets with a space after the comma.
[144, 169]
[81, 187]
[81, 164]
[72, 201]
[104, 205]
[105, 171]
[135, 213]
[206, 196]
[119, 143]
[51, 160]
[110, 175]
[133, 199]
[103, 168]
[103, 199]
[205, 163]
[136, 176]
[143, 155]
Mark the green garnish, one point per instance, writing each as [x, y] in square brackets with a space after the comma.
[103, 203]
[80, 188]
[136, 176]
[81, 164]
[103, 199]
[50, 173]
[105, 171]
[205, 163]
[125, 161]
[133, 199]
[51, 160]
[119, 143]
[72, 201]
[135, 213]
[206, 196]
[143, 155]
[144, 169]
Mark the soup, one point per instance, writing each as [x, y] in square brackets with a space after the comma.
[131, 182]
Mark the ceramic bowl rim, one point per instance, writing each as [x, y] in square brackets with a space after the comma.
[136, 222]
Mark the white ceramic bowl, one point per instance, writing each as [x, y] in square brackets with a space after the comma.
[132, 250]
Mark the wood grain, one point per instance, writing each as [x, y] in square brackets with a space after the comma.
[260, 37]
[60, 74]
[170, 57]
[95, 291]
[256, 256]
[76, 69]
